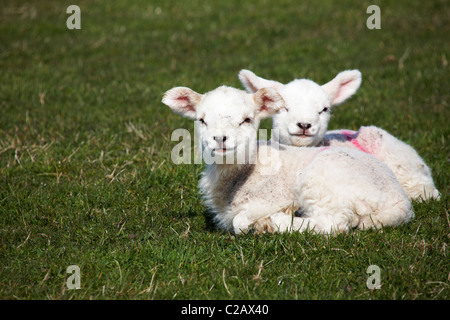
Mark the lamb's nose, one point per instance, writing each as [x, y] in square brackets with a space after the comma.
[220, 139]
[304, 125]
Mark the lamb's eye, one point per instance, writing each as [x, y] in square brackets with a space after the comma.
[246, 120]
[202, 121]
[324, 110]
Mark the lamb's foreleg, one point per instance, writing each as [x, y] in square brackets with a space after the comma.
[281, 221]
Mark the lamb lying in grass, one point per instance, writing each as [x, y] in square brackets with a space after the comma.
[305, 123]
[336, 188]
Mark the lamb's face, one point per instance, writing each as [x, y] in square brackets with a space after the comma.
[227, 118]
[308, 104]
[227, 121]
[305, 121]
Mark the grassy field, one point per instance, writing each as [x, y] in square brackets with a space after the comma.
[86, 176]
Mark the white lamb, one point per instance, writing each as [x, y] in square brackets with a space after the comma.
[305, 123]
[335, 189]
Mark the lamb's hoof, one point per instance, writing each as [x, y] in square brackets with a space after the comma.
[299, 213]
[261, 226]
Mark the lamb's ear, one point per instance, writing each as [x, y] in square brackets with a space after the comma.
[253, 83]
[183, 101]
[343, 86]
[268, 102]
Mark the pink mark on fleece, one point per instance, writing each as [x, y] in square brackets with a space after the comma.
[350, 136]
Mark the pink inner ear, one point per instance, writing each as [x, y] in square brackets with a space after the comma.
[185, 102]
[251, 86]
[265, 99]
[342, 87]
[343, 84]
[184, 99]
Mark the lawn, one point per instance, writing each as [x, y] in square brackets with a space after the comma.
[86, 176]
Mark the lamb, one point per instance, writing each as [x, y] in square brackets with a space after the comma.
[305, 123]
[278, 188]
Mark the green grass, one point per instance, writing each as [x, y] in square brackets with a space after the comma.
[86, 176]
